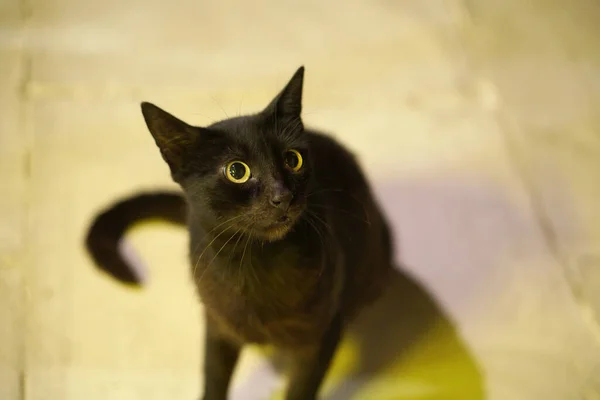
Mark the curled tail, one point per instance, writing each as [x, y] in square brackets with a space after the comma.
[108, 228]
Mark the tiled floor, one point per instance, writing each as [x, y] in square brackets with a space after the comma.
[477, 120]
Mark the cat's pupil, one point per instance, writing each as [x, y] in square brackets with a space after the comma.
[237, 170]
[291, 159]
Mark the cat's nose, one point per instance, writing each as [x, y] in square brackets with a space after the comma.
[281, 198]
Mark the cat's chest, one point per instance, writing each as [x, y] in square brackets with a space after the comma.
[265, 294]
[260, 273]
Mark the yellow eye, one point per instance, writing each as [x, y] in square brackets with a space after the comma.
[293, 160]
[237, 172]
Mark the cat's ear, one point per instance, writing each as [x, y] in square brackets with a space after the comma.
[172, 136]
[288, 103]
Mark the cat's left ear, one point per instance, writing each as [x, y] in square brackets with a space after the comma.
[288, 103]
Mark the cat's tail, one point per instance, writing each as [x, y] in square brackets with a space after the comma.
[104, 238]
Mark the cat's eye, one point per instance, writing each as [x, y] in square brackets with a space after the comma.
[293, 160]
[237, 172]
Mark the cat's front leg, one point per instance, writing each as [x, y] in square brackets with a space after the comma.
[220, 358]
[311, 365]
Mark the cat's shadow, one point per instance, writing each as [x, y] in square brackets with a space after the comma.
[404, 346]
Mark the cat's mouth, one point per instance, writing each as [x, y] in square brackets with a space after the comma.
[278, 229]
[281, 221]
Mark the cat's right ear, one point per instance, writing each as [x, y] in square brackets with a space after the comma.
[172, 136]
[288, 103]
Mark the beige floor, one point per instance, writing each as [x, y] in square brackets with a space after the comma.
[477, 119]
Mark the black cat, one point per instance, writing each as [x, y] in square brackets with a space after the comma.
[287, 242]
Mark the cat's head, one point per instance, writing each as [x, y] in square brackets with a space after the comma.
[248, 173]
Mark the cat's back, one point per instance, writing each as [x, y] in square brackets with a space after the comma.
[343, 195]
[333, 163]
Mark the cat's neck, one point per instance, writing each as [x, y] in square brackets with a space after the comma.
[223, 237]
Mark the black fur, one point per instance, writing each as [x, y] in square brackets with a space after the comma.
[291, 276]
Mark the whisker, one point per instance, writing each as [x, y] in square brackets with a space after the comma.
[222, 247]
[244, 252]
[342, 191]
[240, 106]
[320, 234]
[318, 218]
[212, 241]
[242, 273]
[218, 104]
[253, 275]
[317, 230]
[333, 209]
[336, 190]
[234, 247]
[216, 255]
